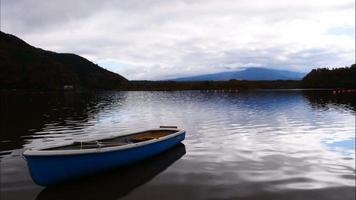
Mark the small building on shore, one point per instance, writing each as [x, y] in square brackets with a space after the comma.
[68, 87]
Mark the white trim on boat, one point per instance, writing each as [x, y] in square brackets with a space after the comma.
[42, 152]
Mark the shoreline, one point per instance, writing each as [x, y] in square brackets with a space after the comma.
[334, 90]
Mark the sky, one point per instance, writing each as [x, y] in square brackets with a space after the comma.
[163, 39]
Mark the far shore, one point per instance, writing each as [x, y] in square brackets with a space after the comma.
[232, 85]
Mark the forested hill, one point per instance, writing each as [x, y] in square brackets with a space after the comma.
[344, 77]
[23, 66]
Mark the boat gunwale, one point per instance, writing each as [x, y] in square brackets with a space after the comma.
[42, 152]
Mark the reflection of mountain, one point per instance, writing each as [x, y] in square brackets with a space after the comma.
[24, 114]
[114, 184]
[323, 99]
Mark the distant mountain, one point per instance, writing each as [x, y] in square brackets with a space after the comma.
[252, 74]
[23, 66]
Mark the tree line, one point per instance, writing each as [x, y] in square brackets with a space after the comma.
[344, 77]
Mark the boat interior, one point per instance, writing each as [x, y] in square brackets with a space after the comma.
[117, 141]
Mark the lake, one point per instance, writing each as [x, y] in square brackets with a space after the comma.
[286, 144]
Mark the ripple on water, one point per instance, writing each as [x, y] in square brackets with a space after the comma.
[259, 144]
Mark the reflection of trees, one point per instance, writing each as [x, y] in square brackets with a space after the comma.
[323, 99]
[26, 113]
[117, 183]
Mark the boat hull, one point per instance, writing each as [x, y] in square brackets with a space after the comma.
[53, 169]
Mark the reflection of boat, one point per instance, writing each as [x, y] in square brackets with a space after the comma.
[117, 183]
[53, 164]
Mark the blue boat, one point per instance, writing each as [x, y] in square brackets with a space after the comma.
[55, 164]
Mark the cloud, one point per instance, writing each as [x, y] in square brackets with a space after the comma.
[156, 39]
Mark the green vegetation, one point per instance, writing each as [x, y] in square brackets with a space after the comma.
[335, 78]
[25, 67]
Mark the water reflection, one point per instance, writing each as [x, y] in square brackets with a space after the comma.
[344, 146]
[117, 183]
[326, 99]
[40, 115]
[248, 145]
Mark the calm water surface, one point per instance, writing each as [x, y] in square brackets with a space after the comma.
[256, 145]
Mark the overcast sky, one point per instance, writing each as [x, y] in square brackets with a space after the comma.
[159, 39]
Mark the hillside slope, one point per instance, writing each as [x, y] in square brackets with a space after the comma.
[344, 77]
[23, 66]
